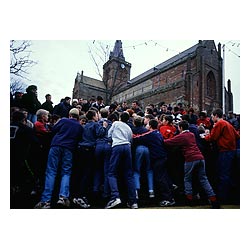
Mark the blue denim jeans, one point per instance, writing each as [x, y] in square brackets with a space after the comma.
[121, 156]
[199, 166]
[142, 158]
[224, 172]
[57, 155]
[102, 156]
[32, 117]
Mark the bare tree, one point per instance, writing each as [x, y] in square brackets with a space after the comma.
[99, 53]
[20, 60]
[17, 85]
[20, 63]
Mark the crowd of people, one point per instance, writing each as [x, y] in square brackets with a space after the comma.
[84, 154]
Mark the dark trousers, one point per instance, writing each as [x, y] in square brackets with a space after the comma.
[82, 176]
[102, 157]
[224, 175]
[121, 157]
[161, 179]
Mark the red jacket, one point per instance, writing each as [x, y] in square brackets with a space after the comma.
[206, 122]
[40, 128]
[224, 134]
[167, 131]
[186, 140]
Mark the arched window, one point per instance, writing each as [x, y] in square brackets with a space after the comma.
[211, 84]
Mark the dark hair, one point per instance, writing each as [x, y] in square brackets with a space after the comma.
[67, 98]
[18, 116]
[191, 110]
[90, 114]
[168, 118]
[153, 123]
[99, 98]
[149, 110]
[113, 117]
[83, 117]
[30, 88]
[149, 116]
[140, 113]
[137, 103]
[112, 107]
[47, 95]
[183, 124]
[203, 113]
[176, 109]
[124, 116]
[185, 118]
[94, 109]
[218, 112]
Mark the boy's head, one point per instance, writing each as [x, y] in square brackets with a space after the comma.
[183, 125]
[91, 114]
[153, 124]
[104, 113]
[124, 117]
[74, 113]
[138, 121]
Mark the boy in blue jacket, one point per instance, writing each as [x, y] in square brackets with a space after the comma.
[68, 132]
[158, 158]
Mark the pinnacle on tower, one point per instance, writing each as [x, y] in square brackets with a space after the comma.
[117, 51]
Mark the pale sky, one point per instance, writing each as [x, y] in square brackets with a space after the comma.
[58, 62]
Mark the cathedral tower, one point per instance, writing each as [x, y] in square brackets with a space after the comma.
[116, 71]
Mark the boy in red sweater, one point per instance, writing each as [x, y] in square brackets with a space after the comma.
[194, 160]
[167, 129]
[226, 138]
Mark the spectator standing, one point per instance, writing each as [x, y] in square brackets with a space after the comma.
[192, 116]
[135, 107]
[124, 106]
[99, 103]
[63, 108]
[31, 103]
[48, 104]
[231, 118]
[17, 101]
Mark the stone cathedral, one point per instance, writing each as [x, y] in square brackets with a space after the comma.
[193, 78]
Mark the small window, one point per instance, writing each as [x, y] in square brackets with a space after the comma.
[211, 84]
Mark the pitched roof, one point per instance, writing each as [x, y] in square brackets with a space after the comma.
[191, 52]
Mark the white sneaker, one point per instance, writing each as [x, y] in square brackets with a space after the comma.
[81, 202]
[64, 202]
[113, 203]
[133, 206]
[166, 203]
[151, 194]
